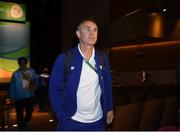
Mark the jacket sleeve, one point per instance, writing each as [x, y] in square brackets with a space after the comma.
[55, 86]
[108, 84]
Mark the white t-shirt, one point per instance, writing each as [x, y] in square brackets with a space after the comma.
[88, 94]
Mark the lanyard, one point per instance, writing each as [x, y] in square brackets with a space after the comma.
[90, 65]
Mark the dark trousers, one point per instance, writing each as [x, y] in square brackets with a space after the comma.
[42, 98]
[72, 125]
[24, 109]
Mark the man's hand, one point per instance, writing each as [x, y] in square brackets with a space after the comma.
[110, 117]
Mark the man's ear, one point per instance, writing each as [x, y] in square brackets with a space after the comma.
[78, 33]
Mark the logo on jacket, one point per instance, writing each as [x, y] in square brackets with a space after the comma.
[100, 67]
[72, 67]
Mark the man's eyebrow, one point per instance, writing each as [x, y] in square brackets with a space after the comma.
[86, 26]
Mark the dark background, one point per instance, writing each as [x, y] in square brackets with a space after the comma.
[49, 17]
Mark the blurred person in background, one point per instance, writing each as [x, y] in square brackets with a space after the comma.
[42, 90]
[22, 90]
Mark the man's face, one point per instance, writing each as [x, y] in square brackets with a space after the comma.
[87, 33]
[22, 65]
